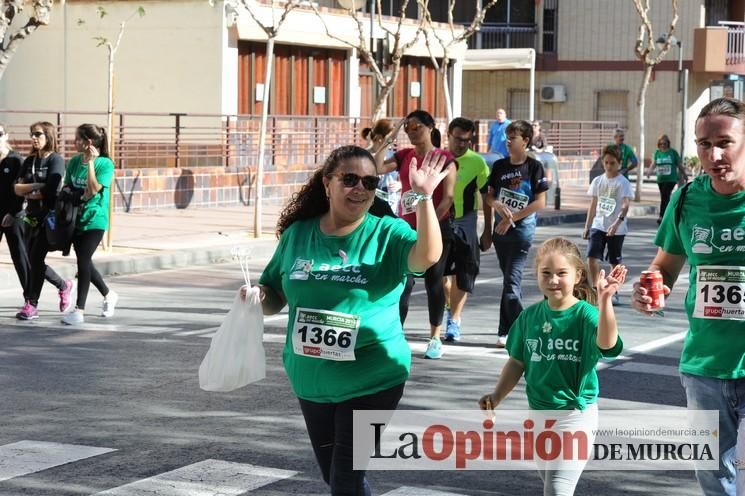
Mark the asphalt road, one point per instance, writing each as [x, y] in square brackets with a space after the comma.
[117, 401]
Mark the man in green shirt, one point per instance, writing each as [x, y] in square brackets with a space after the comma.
[705, 226]
[628, 158]
[464, 256]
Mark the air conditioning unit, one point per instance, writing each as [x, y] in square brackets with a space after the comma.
[551, 93]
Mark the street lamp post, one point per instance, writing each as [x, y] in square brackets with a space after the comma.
[682, 87]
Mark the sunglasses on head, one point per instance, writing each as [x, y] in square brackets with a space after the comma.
[412, 126]
[37, 134]
[350, 180]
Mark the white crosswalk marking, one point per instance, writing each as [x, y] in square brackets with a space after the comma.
[415, 491]
[205, 478]
[26, 457]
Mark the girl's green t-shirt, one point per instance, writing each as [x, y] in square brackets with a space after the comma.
[559, 351]
[334, 285]
[711, 235]
[666, 165]
[94, 214]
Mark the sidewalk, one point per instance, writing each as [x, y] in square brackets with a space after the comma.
[151, 240]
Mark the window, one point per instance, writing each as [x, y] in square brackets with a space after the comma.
[550, 19]
[512, 12]
[716, 10]
[612, 105]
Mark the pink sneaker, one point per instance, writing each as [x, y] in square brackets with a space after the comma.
[65, 302]
[28, 312]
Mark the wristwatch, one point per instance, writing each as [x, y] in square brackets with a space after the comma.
[621, 217]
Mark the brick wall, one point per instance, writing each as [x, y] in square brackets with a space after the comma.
[200, 187]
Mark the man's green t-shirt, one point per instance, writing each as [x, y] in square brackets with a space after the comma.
[711, 233]
[666, 165]
[472, 176]
[349, 280]
[94, 214]
[627, 153]
[559, 351]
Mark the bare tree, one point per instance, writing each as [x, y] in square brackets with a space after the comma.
[12, 29]
[455, 37]
[111, 48]
[385, 76]
[647, 51]
[271, 31]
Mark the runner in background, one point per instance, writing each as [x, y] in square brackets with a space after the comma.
[517, 190]
[464, 256]
[606, 225]
[668, 166]
[705, 226]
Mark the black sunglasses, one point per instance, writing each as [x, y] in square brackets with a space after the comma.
[37, 134]
[350, 180]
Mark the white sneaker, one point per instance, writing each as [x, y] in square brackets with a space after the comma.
[501, 341]
[74, 318]
[109, 304]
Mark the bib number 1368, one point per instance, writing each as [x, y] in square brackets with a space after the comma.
[721, 292]
[325, 334]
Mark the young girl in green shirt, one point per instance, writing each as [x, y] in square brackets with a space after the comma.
[556, 343]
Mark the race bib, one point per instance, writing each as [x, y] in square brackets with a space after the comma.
[325, 334]
[408, 202]
[606, 205]
[664, 169]
[720, 292]
[514, 200]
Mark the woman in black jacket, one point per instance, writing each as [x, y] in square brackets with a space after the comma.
[40, 181]
[10, 206]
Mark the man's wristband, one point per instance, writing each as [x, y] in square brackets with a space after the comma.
[621, 217]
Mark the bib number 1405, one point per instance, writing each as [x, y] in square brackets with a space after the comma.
[325, 334]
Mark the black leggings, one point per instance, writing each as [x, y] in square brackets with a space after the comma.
[432, 282]
[666, 189]
[18, 252]
[38, 247]
[85, 243]
[330, 431]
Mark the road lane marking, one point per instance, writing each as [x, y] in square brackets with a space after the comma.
[478, 281]
[647, 368]
[415, 491]
[643, 349]
[26, 457]
[205, 478]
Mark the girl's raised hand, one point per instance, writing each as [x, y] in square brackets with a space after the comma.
[488, 403]
[424, 180]
[608, 286]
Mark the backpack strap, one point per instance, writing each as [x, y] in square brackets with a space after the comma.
[679, 206]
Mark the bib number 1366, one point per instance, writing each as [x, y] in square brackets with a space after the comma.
[721, 292]
[325, 334]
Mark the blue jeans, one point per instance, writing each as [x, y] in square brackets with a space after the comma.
[330, 427]
[512, 253]
[727, 396]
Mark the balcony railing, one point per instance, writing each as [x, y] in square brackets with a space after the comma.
[504, 36]
[735, 41]
[146, 140]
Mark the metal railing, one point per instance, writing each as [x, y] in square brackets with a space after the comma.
[735, 41]
[504, 36]
[145, 140]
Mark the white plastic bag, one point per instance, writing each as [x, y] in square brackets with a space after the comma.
[236, 355]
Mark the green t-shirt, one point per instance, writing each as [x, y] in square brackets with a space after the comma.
[626, 155]
[361, 275]
[711, 232]
[666, 165]
[559, 351]
[471, 178]
[94, 214]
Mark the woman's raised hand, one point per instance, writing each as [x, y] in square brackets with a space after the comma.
[425, 179]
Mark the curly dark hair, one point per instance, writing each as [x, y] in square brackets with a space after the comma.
[311, 201]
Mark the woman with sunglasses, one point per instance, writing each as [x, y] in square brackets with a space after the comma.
[10, 207]
[422, 133]
[666, 162]
[342, 271]
[91, 171]
[40, 181]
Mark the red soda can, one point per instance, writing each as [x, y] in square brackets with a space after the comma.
[651, 280]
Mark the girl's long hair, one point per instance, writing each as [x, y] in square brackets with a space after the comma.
[582, 290]
[97, 135]
[311, 200]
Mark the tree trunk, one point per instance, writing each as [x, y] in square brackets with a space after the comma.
[262, 138]
[379, 111]
[641, 103]
[109, 238]
[446, 92]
